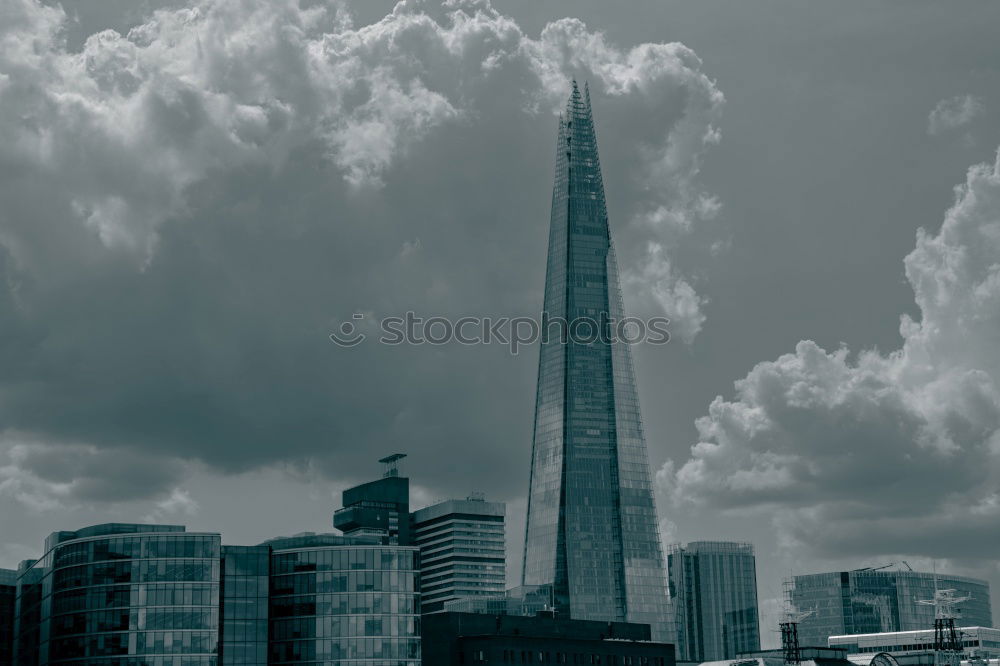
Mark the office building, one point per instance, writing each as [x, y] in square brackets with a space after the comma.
[591, 526]
[982, 642]
[871, 601]
[713, 585]
[462, 550]
[348, 601]
[156, 595]
[472, 638]
[244, 593]
[379, 508]
[120, 594]
[8, 592]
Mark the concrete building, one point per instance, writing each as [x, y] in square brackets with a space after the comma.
[983, 642]
[462, 550]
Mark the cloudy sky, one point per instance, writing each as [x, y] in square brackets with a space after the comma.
[195, 193]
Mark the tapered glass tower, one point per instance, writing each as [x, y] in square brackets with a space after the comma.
[592, 530]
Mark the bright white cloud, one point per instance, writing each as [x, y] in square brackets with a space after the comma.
[129, 124]
[878, 453]
[953, 113]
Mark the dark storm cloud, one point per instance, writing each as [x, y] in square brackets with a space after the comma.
[190, 209]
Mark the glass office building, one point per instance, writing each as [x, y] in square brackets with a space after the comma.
[121, 594]
[344, 601]
[868, 601]
[713, 585]
[462, 551]
[591, 527]
[245, 581]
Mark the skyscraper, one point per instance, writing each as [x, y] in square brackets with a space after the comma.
[462, 550]
[591, 529]
[714, 588]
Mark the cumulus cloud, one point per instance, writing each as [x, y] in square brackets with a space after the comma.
[178, 503]
[193, 201]
[878, 453]
[953, 113]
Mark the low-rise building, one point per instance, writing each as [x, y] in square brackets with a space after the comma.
[450, 639]
[982, 642]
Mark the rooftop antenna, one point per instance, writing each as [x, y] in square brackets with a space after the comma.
[789, 627]
[947, 647]
[790, 635]
[390, 465]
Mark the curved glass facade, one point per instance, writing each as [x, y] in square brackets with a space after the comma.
[125, 595]
[343, 603]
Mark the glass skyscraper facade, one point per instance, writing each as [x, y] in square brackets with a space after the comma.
[869, 601]
[344, 601]
[462, 550]
[713, 585]
[121, 595]
[591, 528]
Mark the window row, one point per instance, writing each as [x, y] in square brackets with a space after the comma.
[354, 581]
[344, 559]
[346, 626]
[124, 619]
[343, 604]
[135, 643]
[134, 548]
[114, 596]
[352, 648]
[138, 571]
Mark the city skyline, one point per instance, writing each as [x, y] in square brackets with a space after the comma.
[194, 194]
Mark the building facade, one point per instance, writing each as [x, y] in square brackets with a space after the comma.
[591, 527]
[156, 595]
[462, 550]
[868, 601]
[120, 594]
[245, 595]
[983, 642]
[451, 639]
[713, 586]
[8, 595]
[379, 508]
[349, 602]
